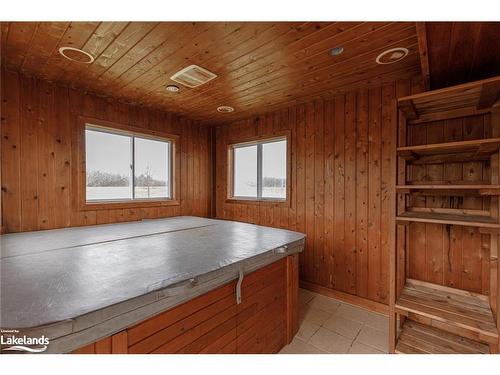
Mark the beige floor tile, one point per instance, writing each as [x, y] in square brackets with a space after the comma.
[330, 342]
[345, 327]
[324, 303]
[377, 321]
[301, 347]
[352, 312]
[306, 330]
[305, 296]
[312, 315]
[359, 348]
[375, 338]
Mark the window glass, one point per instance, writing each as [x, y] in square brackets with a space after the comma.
[108, 162]
[151, 167]
[245, 171]
[274, 169]
[112, 159]
[260, 169]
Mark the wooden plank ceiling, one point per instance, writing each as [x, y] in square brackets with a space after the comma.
[461, 52]
[260, 66]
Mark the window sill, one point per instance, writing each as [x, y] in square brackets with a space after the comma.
[260, 202]
[109, 205]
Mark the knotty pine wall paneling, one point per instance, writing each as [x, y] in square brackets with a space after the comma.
[37, 155]
[342, 183]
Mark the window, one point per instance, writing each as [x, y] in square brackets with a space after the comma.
[259, 170]
[124, 166]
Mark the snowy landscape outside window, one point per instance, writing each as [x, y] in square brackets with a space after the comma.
[259, 170]
[125, 167]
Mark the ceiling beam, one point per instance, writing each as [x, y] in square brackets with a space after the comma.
[424, 55]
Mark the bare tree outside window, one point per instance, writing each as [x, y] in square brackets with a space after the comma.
[151, 168]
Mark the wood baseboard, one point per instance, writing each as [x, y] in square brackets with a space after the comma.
[346, 297]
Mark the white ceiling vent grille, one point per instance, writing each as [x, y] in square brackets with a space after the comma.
[193, 76]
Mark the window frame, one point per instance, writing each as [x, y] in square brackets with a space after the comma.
[80, 180]
[258, 140]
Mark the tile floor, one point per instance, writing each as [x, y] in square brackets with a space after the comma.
[331, 326]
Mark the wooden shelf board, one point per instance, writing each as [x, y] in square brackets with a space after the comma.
[444, 218]
[416, 338]
[458, 308]
[479, 147]
[471, 189]
[472, 96]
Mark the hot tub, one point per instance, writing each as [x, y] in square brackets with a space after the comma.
[181, 284]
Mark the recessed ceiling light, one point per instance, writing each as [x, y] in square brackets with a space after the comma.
[172, 88]
[76, 55]
[392, 55]
[225, 109]
[336, 51]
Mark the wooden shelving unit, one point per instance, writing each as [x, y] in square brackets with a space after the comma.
[452, 219]
[451, 189]
[476, 145]
[457, 308]
[451, 102]
[416, 338]
[473, 150]
[437, 317]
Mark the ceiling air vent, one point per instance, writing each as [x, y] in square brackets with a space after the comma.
[193, 76]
